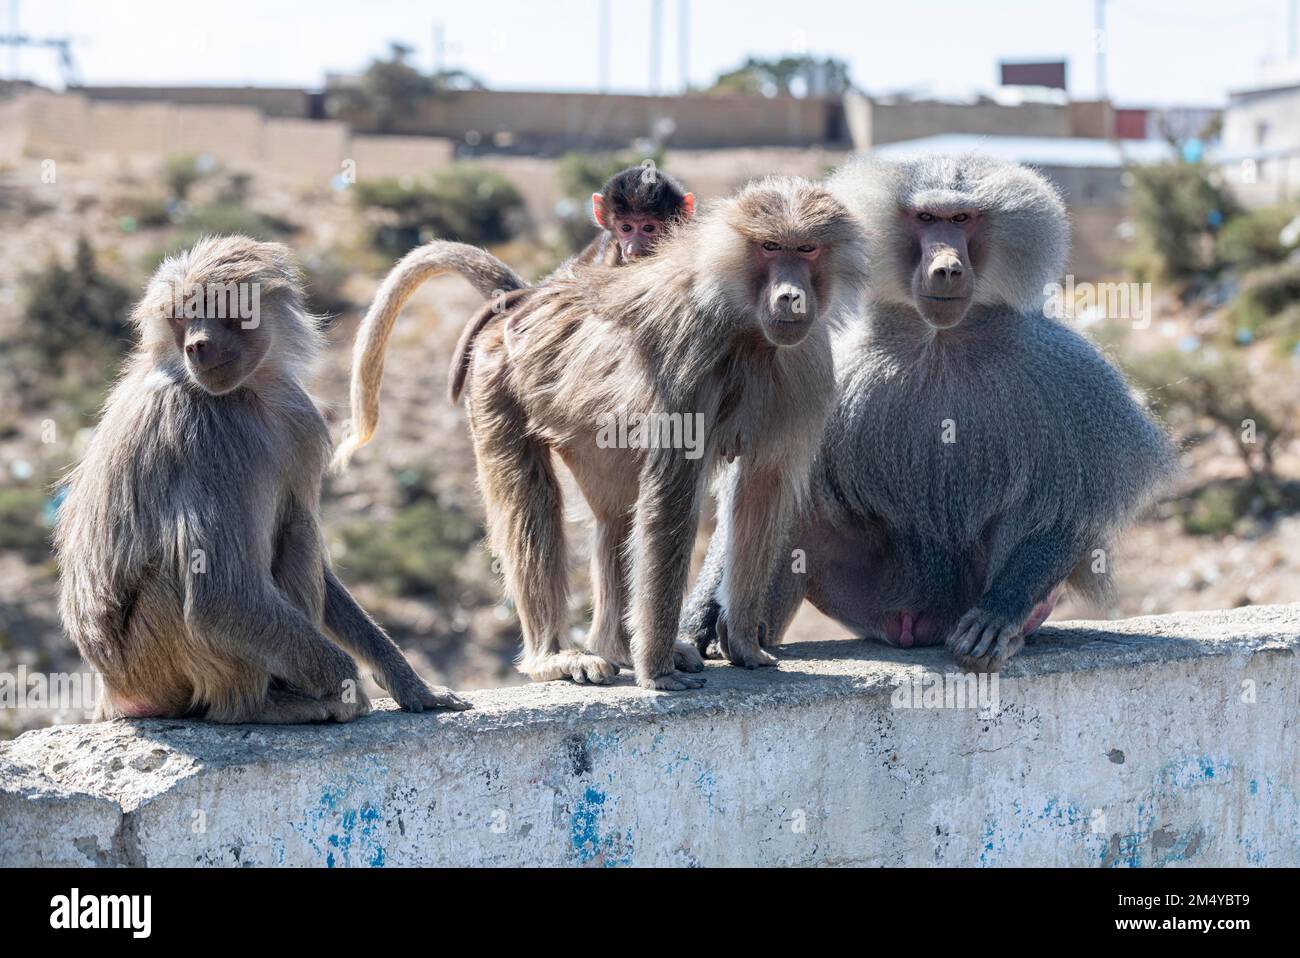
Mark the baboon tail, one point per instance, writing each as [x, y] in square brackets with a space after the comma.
[484, 271]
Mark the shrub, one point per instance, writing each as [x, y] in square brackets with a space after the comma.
[420, 552]
[22, 521]
[1178, 207]
[1268, 306]
[1254, 238]
[463, 203]
[1219, 386]
[182, 171]
[78, 309]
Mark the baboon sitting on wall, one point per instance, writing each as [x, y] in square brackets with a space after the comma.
[980, 456]
[726, 325]
[194, 575]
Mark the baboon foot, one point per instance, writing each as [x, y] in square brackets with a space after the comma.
[747, 653]
[288, 707]
[983, 641]
[686, 658]
[672, 681]
[581, 667]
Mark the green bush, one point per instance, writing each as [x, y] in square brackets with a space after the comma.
[1254, 238]
[22, 521]
[426, 550]
[144, 210]
[80, 310]
[182, 171]
[1218, 387]
[219, 219]
[1268, 306]
[1178, 207]
[464, 203]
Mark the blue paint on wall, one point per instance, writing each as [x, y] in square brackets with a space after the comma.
[343, 828]
[590, 845]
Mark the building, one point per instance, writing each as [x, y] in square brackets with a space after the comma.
[1261, 144]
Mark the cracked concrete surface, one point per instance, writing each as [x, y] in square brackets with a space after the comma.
[1162, 740]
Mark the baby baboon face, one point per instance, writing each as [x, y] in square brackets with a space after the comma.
[220, 338]
[943, 277]
[789, 270]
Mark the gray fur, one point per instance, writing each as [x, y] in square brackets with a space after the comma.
[194, 574]
[1053, 456]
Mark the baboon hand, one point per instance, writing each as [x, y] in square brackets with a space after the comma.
[744, 646]
[983, 641]
[415, 695]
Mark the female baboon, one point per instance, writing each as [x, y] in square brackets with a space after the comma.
[725, 326]
[194, 577]
[980, 455]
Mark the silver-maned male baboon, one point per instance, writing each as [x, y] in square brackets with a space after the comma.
[724, 327]
[980, 456]
[194, 576]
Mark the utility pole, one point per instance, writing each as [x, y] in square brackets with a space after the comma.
[13, 31]
[603, 14]
[656, 38]
[1100, 41]
[684, 42]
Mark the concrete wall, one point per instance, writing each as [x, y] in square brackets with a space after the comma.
[270, 101]
[875, 123]
[73, 127]
[564, 121]
[1166, 740]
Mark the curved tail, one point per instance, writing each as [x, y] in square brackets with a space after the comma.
[484, 271]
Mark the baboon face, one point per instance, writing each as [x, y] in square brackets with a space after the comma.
[220, 345]
[943, 273]
[789, 279]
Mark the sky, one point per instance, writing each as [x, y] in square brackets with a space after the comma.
[1158, 51]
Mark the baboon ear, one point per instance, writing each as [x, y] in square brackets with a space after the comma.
[598, 209]
[688, 204]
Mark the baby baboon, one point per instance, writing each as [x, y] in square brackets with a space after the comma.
[194, 576]
[633, 209]
[724, 330]
[980, 456]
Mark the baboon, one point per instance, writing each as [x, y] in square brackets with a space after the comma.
[980, 456]
[633, 210]
[726, 326]
[194, 575]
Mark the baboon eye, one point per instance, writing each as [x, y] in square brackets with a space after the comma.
[925, 217]
[808, 248]
[649, 227]
[626, 227]
[771, 247]
[960, 218]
